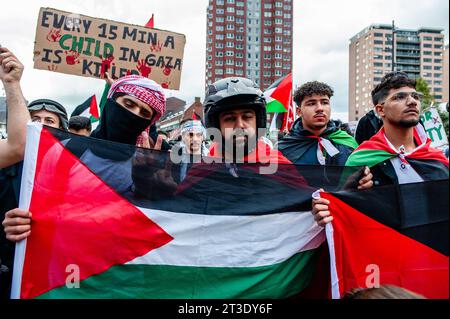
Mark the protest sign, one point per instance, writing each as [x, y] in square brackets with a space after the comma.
[434, 127]
[81, 45]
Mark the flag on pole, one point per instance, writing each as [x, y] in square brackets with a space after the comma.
[278, 95]
[151, 22]
[279, 100]
[89, 109]
[289, 117]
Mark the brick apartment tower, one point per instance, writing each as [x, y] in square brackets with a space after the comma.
[419, 53]
[249, 38]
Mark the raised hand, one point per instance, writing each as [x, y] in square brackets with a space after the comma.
[11, 69]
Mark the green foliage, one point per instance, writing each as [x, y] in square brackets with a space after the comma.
[422, 87]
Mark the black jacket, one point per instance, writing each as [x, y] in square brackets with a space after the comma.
[301, 149]
[368, 126]
[429, 170]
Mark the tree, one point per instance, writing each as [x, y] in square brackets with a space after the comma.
[428, 99]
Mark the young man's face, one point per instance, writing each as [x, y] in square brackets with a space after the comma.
[45, 117]
[401, 107]
[315, 111]
[136, 106]
[237, 126]
[193, 141]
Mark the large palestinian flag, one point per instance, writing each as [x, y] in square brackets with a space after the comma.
[127, 225]
[114, 221]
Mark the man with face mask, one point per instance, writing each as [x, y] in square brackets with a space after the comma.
[134, 104]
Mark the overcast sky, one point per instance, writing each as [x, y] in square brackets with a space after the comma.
[322, 29]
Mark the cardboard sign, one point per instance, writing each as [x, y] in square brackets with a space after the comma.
[81, 45]
[434, 127]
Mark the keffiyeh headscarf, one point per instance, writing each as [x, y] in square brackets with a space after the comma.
[193, 126]
[145, 90]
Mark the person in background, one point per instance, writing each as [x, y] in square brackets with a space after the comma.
[80, 125]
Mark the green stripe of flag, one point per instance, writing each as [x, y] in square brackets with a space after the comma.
[368, 158]
[182, 282]
[275, 107]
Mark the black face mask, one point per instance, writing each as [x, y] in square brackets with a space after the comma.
[117, 124]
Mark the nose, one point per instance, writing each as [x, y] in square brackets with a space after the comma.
[319, 107]
[240, 123]
[410, 100]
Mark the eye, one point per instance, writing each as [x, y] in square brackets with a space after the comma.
[399, 96]
[416, 96]
[228, 118]
[146, 113]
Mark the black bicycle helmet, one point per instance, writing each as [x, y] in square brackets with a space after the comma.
[234, 93]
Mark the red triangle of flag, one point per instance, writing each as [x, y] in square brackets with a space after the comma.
[79, 220]
[283, 91]
[93, 108]
[151, 22]
[363, 245]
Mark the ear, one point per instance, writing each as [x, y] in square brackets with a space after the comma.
[298, 110]
[379, 108]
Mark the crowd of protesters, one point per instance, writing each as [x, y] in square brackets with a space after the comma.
[236, 108]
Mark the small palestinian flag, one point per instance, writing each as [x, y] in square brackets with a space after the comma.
[278, 95]
[89, 109]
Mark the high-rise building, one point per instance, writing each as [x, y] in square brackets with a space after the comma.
[373, 53]
[446, 71]
[249, 38]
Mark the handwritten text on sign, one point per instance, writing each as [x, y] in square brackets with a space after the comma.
[81, 45]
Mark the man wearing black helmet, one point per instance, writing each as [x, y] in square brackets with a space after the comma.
[236, 108]
[49, 112]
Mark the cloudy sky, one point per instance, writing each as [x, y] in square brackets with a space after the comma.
[322, 29]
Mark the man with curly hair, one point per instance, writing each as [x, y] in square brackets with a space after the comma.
[314, 139]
